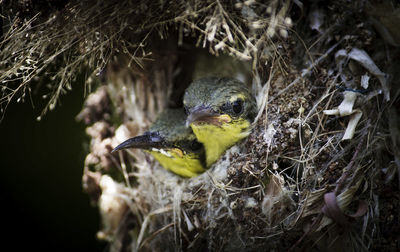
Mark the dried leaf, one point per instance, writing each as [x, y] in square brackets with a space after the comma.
[351, 126]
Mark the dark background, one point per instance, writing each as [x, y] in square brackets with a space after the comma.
[43, 205]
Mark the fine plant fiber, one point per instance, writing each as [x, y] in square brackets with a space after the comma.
[55, 46]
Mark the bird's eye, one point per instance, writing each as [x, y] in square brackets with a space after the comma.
[237, 106]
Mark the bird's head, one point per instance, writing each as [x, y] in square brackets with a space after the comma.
[216, 101]
[220, 112]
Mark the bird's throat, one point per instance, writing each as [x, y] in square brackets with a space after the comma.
[185, 165]
[217, 139]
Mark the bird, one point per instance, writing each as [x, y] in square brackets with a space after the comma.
[172, 144]
[220, 111]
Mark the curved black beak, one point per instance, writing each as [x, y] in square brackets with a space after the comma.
[201, 114]
[146, 141]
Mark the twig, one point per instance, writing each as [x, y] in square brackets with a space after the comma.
[349, 169]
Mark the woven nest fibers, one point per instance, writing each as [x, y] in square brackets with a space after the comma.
[319, 170]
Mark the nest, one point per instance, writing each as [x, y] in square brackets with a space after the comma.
[325, 146]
